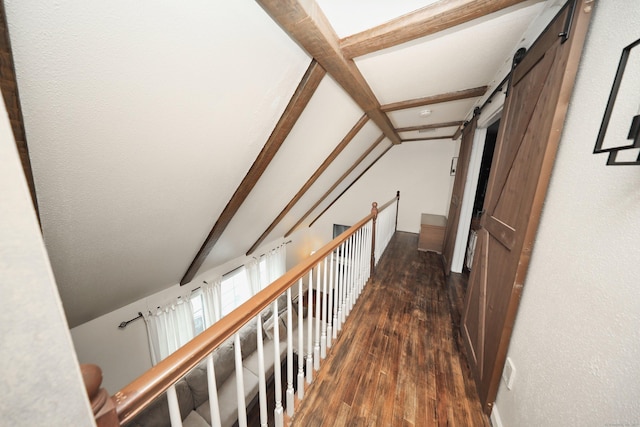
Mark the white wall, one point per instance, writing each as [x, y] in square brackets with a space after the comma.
[41, 381]
[420, 170]
[576, 342]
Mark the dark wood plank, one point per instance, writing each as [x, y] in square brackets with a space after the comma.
[397, 361]
[428, 138]
[423, 22]
[459, 131]
[457, 194]
[330, 158]
[435, 99]
[306, 24]
[305, 90]
[431, 126]
[335, 184]
[528, 139]
[9, 87]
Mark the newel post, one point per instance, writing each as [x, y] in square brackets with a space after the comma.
[103, 406]
[374, 213]
[397, 208]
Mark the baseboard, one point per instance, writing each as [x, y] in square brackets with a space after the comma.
[495, 417]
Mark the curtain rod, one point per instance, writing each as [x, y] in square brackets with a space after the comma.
[124, 324]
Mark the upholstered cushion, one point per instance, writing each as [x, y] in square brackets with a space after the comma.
[194, 420]
[267, 327]
[157, 413]
[248, 338]
[305, 330]
[251, 362]
[224, 366]
[228, 401]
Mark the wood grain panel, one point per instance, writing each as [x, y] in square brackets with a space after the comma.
[428, 138]
[457, 194]
[423, 22]
[435, 99]
[523, 159]
[301, 97]
[398, 360]
[334, 154]
[305, 23]
[501, 231]
[9, 87]
[431, 126]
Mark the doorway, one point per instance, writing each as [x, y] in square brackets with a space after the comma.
[481, 190]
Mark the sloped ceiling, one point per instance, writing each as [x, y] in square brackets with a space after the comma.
[143, 118]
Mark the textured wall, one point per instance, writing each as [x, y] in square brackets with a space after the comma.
[576, 342]
[420, 170]
[41, 382]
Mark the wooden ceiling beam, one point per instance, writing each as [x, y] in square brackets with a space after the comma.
[307, 25]
[458, 132]
[428, 20]
[429, 138]
[9, 88]
[305, 90]
[335, 184]
[435, 99]
[350, 185]
[332, 156]
[431, 126]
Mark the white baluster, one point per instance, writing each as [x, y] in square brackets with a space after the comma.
[300, 343]
[290, 391]
[242, 406]
[316, 340]
[356, 270]
[363, 244]
[213, 393]
[347, 307]
[354, 295]
[343, 267]
[331, 312]
[174, 407]
[323, 336]
[309, 329]
[262, 383]
[370, 251]
[278, 411]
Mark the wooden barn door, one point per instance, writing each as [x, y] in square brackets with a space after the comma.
[525, 151]
[456, 196]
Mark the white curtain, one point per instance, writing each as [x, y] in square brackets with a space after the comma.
[276, 264]
[269, 267]
[212, 301]
[169, 328]
[252, 269]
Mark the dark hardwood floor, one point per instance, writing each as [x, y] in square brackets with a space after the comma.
[398, 361]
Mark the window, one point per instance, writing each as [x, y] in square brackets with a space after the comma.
[197, 307]
[235, 290]
[264, 277]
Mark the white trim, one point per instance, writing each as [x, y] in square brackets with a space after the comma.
[468, 198]
[496, 421]
[470, 187]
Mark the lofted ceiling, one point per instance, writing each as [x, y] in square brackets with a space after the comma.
[152, 125]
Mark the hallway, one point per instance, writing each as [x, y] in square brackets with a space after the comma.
[397, 361]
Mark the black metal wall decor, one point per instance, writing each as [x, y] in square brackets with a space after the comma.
[620, 130]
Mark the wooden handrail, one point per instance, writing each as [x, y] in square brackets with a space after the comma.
[102, 405]
[134, 397]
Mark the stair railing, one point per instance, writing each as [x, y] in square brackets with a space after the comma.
[334, 276]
